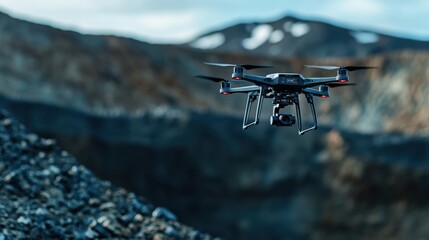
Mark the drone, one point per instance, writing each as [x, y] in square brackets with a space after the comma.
[283, 88]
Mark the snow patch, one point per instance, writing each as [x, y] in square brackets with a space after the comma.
[209, 42]
[297, 29]
[260, 35]
[365, 37]
[276, 36]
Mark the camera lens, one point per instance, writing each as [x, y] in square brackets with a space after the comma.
[287, 119]
[282, 120]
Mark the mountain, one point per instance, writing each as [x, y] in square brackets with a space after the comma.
[133, 114]
[294, 37]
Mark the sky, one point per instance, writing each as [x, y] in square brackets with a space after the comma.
[177, 21]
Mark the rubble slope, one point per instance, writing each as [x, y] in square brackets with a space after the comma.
[46, 194]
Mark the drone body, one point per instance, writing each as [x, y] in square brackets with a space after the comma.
[284, 89]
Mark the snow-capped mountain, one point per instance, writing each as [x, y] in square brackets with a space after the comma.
[291, 36]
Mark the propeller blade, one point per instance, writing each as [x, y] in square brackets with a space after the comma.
[249, 66]
[323, 67]
[214, 79]
[221, 64]
[245, 66]
[348, 68]
[354, 68]
[334, 85]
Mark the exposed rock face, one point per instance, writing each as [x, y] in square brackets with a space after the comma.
[377, 188]
[45, 193]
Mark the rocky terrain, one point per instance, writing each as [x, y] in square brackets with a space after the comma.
[133, 114]
[46, 194]
[294, 37]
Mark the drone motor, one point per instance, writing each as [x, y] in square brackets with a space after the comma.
[342, 75]
[224, 88]
[237, 73]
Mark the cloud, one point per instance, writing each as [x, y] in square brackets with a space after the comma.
[360, 8]
[401, 18]
[178, 21]
[157, 21]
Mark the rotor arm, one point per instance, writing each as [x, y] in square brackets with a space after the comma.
[258, 80]
[315, 92]
[311, 82]
[228, 90]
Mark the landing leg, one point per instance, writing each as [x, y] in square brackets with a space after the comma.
[251, 97]
[310, 101]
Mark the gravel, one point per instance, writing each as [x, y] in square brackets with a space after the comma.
[46, 193]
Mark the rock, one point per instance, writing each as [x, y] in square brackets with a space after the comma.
[127, 218]
[161, 212]
[94, 202]
[23, 220]
[138, 217]
[171, 231]
[159, 237]
[41, 211]
[107, 205]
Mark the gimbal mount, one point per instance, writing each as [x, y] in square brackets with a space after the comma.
[281, 100]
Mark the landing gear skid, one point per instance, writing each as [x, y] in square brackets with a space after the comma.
[251, 97]
[280, 101]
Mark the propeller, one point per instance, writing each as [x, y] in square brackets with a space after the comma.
[334, 85]
[214, 79]
[217, 79]
[349, 68]
[245, 66]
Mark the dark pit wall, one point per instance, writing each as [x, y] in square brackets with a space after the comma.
[265, 182]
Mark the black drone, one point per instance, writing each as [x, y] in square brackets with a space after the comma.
[284, 88]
